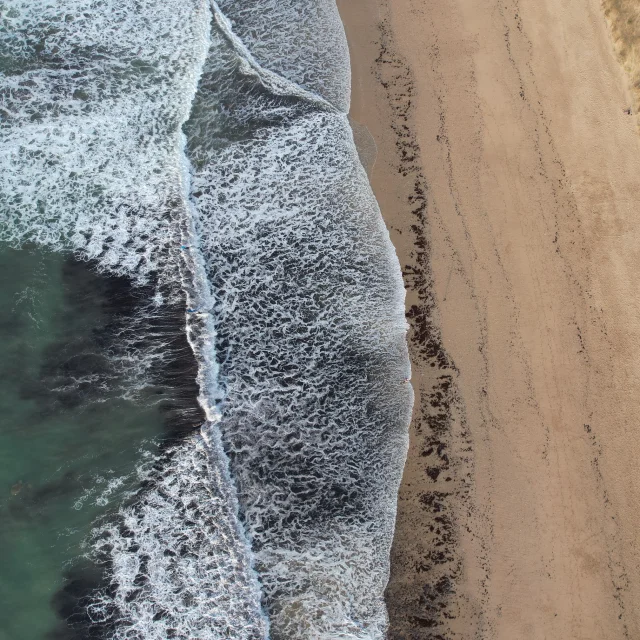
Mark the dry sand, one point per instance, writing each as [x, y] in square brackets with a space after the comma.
[509, 177]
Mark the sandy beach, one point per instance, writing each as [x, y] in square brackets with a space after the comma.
[508, 174]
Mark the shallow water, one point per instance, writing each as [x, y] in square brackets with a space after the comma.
[69, 441]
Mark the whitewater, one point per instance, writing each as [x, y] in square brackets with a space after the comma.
[202, 151]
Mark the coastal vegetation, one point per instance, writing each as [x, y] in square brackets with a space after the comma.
[623, 17]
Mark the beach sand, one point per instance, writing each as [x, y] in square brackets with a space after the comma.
[508, 175]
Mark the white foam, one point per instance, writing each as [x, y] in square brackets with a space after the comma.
[289, 267]
[93, 102]
[300, 40]
[310, 301]
[179, 565]
[91, 134]
[275, 83]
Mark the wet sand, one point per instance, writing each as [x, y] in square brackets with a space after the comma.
[509, 176]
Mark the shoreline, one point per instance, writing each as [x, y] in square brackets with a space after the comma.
[425, 572]
[506, 173]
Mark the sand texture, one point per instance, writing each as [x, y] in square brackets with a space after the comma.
[509, 177]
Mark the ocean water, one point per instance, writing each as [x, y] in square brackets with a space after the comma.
[205, 410]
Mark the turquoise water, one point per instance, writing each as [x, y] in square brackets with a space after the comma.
[61, 442]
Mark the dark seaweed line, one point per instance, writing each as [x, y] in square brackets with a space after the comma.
[424, 613]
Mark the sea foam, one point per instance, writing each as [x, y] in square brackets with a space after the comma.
[309, 314]
[92, 100]
[246, 198]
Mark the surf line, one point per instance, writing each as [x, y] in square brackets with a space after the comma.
[200, 325]
[270, 80]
